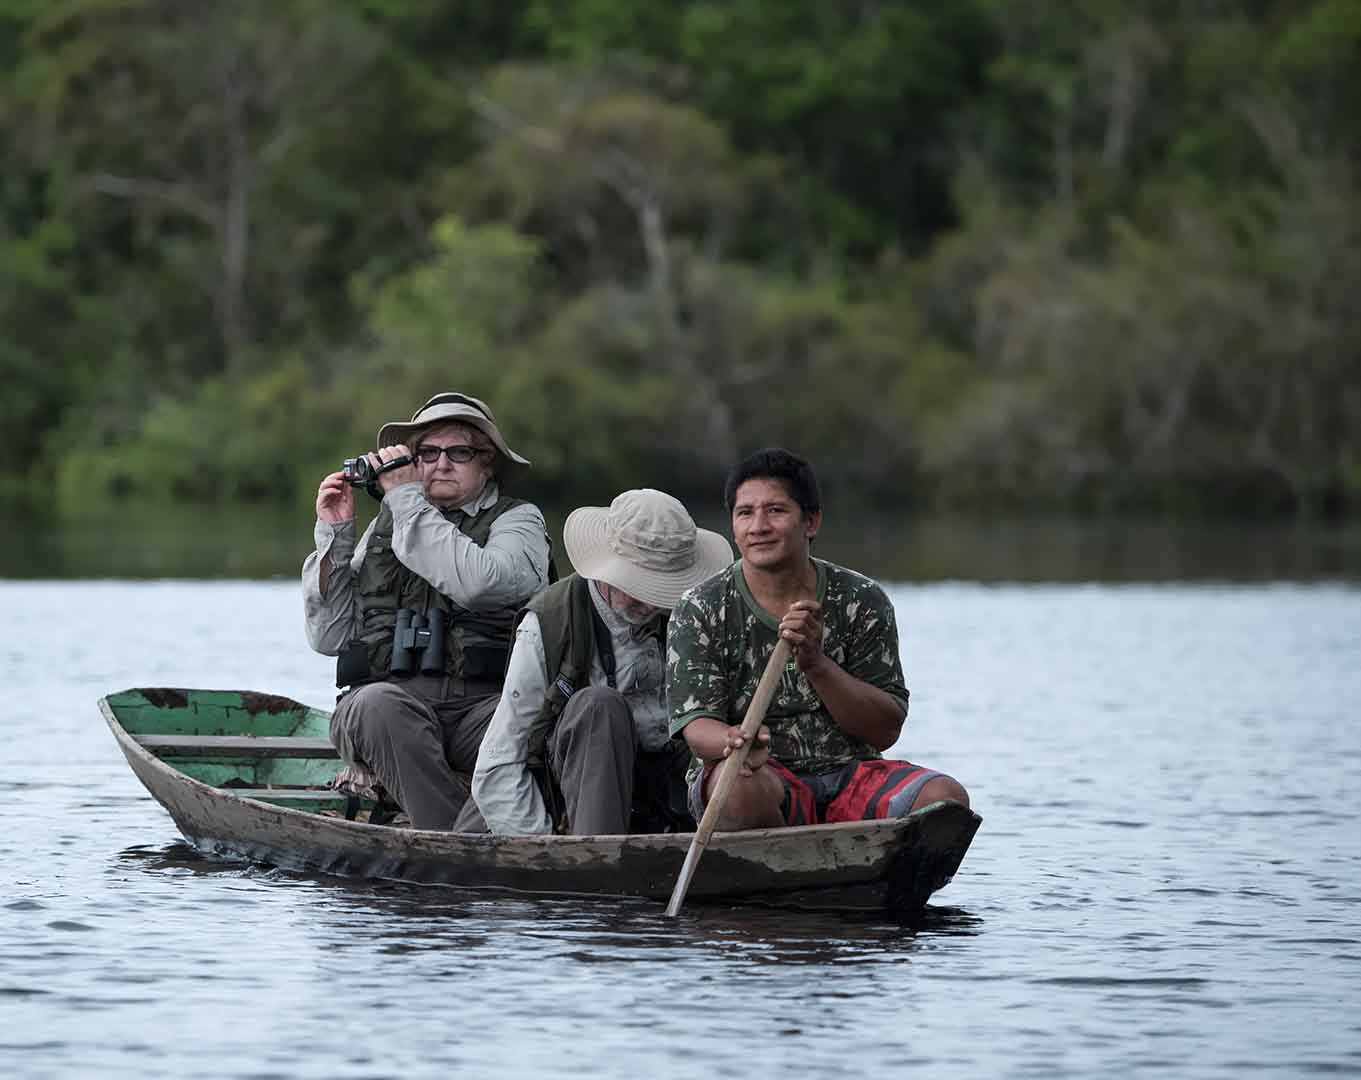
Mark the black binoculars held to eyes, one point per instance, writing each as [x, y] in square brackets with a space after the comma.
[418, 642]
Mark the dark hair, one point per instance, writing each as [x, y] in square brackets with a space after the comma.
[777, 464]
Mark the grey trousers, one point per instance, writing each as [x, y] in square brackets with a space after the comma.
[422, 748]
[591, 754]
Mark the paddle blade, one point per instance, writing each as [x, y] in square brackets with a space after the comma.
[682, 886]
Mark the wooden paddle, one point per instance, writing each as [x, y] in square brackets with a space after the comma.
[729, 770]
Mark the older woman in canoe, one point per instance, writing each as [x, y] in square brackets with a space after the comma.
[420, 611]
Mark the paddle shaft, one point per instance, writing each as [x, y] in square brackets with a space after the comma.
[729, 771]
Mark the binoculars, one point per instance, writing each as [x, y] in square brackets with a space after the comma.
[418, 642]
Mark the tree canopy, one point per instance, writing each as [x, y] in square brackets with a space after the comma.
[957, 251]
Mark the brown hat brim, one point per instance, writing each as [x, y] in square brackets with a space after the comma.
[449, 408]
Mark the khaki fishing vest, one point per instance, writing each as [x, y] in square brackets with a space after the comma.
[476, 643]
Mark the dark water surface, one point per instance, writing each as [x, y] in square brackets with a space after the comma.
[1167, 881]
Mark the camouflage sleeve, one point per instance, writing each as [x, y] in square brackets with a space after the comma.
[873, 655]
[695, 683]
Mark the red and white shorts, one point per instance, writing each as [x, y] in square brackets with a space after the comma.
[860, 791]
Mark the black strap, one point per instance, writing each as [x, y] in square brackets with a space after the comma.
[604, 648]
[372, 487]
[455, 399]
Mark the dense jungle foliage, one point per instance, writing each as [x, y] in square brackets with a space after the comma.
[1101, 255]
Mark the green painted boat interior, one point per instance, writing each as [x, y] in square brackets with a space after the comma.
[215, 712]
[158, 712]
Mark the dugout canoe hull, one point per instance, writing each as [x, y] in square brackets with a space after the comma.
[184, 746]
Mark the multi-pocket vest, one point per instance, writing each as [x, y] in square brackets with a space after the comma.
[476, 643]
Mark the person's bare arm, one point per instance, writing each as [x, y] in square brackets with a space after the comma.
[711, 740]
[859, 709]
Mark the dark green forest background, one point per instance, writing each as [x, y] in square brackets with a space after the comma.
[1101, 255]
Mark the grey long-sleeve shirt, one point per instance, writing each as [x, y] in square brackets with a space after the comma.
[503, 786]
[507, 571]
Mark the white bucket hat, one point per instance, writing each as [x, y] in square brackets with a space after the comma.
[646, 544]
[446, 408]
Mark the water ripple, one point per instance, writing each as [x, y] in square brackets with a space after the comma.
[1110, 981]
[1169, 908]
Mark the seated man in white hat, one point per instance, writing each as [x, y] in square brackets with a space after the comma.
[420, 611]
[579, 740]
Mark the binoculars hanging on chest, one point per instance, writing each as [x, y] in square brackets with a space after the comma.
[418, 642]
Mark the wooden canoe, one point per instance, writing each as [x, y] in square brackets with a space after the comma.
[244, 776]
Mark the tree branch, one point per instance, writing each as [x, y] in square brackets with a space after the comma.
[176, 195]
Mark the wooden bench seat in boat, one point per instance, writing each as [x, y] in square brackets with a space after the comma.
[313, 799]
[263, 746]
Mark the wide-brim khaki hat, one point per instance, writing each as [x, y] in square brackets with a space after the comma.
[444, 408]
[646, 544]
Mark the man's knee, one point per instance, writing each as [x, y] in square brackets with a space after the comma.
[941, 789]
[376, 697]
[597, 709]
[368, 712]
[753, 802]
[596, 727]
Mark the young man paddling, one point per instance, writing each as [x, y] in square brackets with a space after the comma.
[841, 700]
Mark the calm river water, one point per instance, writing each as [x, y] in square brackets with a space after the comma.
[1167, 881]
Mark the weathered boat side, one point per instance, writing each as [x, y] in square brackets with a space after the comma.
[880, 865]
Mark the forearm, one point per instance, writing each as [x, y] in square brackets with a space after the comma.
[328, 589]
[707, 737]
[860, 709]
[510, 568]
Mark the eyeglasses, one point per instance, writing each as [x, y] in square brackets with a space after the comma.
[462, 454]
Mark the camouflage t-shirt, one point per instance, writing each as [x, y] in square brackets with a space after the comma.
[719, 640]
